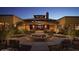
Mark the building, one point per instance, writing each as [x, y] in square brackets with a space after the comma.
[66, 22]
[8, 20]
[40, 23]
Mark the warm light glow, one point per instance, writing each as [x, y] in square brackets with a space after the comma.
[33, 26]
[45, 26]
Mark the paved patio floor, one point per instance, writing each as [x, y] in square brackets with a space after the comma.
[39, 46]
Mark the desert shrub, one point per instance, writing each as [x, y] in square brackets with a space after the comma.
[16, 31]
[3, 34]
[77, 32]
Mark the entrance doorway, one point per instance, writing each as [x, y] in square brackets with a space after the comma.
[39, 27]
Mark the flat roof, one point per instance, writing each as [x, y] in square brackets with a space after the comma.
[9, 15]
[6, 15]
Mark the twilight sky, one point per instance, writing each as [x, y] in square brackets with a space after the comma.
[28, 12]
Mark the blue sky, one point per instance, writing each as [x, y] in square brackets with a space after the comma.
[28, 12]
